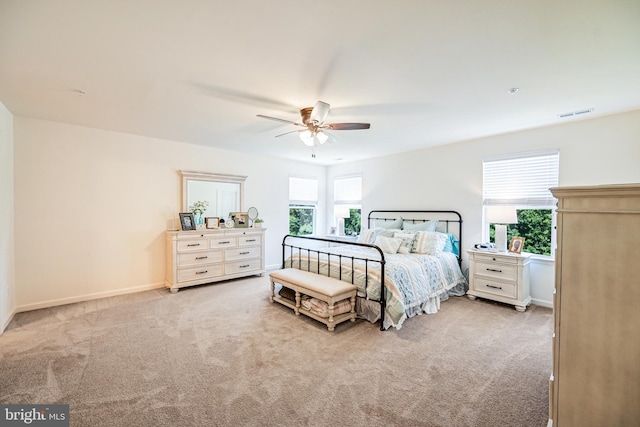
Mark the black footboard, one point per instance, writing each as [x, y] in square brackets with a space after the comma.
[321, 251]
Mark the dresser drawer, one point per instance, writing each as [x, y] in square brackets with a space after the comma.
[198, 258]
[497, 270]
[242, 266]
[250, 239]
[508, 290]
[203, 272]
[197, 244]
[242, 253]
[223, 242]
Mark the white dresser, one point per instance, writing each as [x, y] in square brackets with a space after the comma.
[596, 340]
[500, 276]
[206, 256]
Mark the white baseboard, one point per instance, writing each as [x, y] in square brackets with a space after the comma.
[273, 267]
[542, 303]
[9, 319]
[88, 297]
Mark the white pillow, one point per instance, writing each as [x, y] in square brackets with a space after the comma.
[365, 236]
[420, 226]
[408, 239]
[389, 224]
[430, 243]
[389, 245]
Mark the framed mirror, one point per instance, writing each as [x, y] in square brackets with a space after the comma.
[223, 193]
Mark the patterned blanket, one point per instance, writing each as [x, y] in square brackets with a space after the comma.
[414, 283]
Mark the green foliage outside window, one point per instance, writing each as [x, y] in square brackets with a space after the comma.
[300, 221]
[352, 224]
[535, 226]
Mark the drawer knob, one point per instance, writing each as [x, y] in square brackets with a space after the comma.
[245, 266]
[202, 257]
[245, 253]
[494, 287]
[251, 240]
[201, 272]
[193, 244]
[224, 243]
[493, 269]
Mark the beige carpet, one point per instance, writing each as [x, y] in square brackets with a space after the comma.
[223, 355]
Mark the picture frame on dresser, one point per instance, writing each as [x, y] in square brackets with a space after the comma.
[212, 222]
[516, 244]
[241, 219]
[187, 221]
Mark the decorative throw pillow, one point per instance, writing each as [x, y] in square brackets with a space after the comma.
[419, 226]
[430, 243]
[452, 245]
[366, 236]
[397, 224]
[384, 232]
[441, 227]
[389, 245]
[408, 239]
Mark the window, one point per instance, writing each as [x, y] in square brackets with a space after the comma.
[523, 181]
[303, 199]
[347, 194]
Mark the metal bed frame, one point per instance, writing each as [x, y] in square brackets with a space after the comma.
[450, 218]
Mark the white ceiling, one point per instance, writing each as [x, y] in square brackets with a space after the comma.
[422, 72]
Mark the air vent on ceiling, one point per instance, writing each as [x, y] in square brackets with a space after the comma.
[575, 113]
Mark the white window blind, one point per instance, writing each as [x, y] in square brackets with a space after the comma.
[348, 190]
[522, 179]
[303, 191]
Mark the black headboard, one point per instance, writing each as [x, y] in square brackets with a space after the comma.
[449, 221]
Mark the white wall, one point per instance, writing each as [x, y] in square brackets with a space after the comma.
[91, 207]
[7, 276]
[598, 151]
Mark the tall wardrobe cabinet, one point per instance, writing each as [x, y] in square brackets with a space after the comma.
[596, 340]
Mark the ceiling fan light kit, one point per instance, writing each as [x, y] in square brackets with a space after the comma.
[313, 121]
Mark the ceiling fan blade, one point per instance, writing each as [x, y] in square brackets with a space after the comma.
[347, 126]
[279, 120]
[319, 112]
[287, 133]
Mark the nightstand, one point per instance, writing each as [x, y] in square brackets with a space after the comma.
[500, 276]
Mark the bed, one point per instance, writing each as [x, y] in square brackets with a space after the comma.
[416, 254]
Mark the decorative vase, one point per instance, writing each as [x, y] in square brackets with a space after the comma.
[199, 221]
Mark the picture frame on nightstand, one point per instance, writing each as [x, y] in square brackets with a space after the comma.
[516, 244]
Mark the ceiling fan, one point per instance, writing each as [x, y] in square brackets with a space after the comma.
[314, 132]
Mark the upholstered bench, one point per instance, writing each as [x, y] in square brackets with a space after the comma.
[323, 288]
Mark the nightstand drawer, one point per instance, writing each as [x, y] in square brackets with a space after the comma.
[495, 288]
[497, 270]
[502, 258]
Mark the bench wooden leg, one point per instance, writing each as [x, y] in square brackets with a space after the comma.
[273, 291]
[297, 310]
